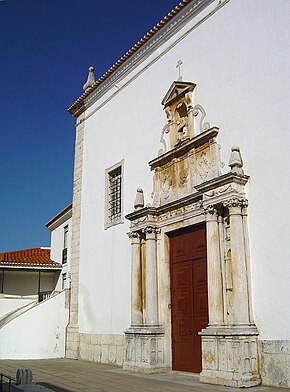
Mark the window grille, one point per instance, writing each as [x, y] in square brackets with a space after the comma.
[64, 256]
[65, 243]
[115, 195]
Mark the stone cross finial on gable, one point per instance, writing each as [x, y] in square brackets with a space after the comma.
[90, 80]
[178, 65]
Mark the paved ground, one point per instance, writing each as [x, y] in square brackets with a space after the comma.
[66, 375]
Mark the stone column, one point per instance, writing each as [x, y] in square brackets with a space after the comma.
[151, 318]
[247, 253]
[223, 266]
[214, 273]
[136, 280]
[239, 267]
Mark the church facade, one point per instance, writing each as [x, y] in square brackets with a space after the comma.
[179, 251]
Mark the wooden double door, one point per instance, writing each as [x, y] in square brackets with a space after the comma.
[189, 300]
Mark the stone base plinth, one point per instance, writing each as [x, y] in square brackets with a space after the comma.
[72, 341]
[102, 348]
[275, 362]
[230, 356]
[144, 349]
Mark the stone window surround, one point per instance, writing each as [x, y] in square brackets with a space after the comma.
[108, 222]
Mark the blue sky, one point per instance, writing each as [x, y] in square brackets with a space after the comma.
[46, 47]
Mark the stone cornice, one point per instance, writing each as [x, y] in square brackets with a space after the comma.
[156, 211]
[225, 179]
[164, 30]
[179, 151]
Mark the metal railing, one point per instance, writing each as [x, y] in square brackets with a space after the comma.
[9, 378]
[44, 295]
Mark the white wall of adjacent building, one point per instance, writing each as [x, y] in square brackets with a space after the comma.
[8, 305]
[37, 333]
[240, 59]
[57, 246]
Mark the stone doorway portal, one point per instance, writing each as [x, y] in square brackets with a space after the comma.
[189, 300]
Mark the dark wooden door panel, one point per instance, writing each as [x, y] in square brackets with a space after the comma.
[189, 304]
[180, 248]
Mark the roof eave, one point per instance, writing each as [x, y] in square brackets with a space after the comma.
[78, 106]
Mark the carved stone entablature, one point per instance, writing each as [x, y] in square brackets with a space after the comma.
[221, 189]
[142, 220]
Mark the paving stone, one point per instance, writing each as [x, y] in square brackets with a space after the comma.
[69, 375]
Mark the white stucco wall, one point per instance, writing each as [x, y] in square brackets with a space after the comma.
[240, 59]
[9, 304]
[57, 243]
[38, 333]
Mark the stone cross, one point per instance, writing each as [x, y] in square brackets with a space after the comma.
[178, 65]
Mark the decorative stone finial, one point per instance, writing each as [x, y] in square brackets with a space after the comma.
[236, 161]
[90, 80]
[139, 200]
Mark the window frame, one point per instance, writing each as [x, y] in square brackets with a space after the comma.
[64, 280]
[65, 245]
[109, 222]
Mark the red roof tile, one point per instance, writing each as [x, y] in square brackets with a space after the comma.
[35, 257]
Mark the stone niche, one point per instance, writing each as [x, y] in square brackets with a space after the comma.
[189, 187]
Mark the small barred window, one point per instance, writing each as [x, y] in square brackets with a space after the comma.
[114, 195]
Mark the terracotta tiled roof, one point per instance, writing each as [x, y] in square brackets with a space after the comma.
[35, 257]
[142, 41]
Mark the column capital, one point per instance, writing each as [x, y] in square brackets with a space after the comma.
[151, 230]
[211, 212]
[236, 202]
[134, 235]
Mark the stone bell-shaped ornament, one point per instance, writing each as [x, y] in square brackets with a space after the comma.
[91, 79]
[236, 161]
[139, 200]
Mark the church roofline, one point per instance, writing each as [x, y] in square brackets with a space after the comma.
[79, 105]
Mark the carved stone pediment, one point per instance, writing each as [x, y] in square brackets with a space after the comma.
[177, 90]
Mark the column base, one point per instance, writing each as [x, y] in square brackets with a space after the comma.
[230, 356]
[144, 349]
[72, 341]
